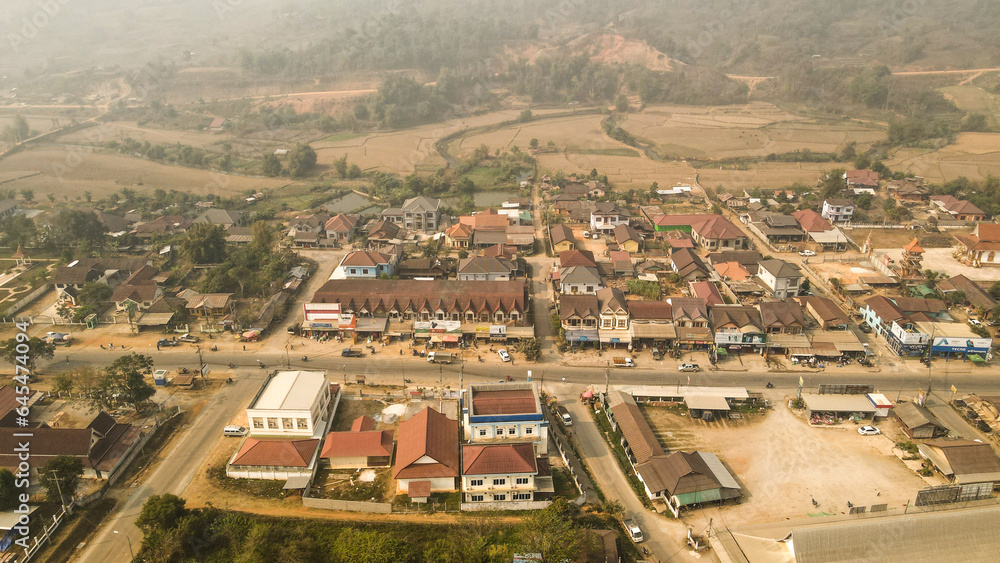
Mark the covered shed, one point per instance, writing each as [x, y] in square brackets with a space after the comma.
[838, 405]
[919, 422]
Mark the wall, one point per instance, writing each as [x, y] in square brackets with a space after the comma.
[519, 505]
[348, 505]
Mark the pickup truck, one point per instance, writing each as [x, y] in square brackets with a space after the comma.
[348, 353]
[633, 530]
[439, 357]
[623, 362]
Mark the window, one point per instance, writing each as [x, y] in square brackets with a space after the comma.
[522, 496]
[529, 430]
[499, 497]
[522, 480]
[498, 482]
[511, 431]
[499, 431]
[354, 271]
[258, 422]
[590, 289]
[476, 483]
[303, 423]
[605, 323]
[482, 431]
[288, 423]
[476, 498]
[622, 323]
[272, 422]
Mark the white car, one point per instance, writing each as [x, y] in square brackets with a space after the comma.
[975, 322]
[869, 431]
[688, 367]
[504, 356]
[807, 253]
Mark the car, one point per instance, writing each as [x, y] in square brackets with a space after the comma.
[807, 252]
[189, 338]
[504, 356]
[166, 343]
[349, 353]
[633, 530]
[234, 431]
[865, 328]
[975, 322]
[688, 367]
[657, 355]
[869, 431]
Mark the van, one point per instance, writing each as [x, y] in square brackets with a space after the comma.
[234, 431]
[564, 416]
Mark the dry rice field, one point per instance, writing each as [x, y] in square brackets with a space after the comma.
[973, 155]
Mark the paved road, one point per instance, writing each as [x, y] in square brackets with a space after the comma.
[173, 474]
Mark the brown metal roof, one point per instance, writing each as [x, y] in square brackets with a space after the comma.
[636, 430]
[367, 443]
[507, 401]
[431, 434]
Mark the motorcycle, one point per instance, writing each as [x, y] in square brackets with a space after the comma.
[183, 370]
[769, 385]
[230, 380]
[214, 348]
[231, 365]
[305, 358]
[407, 381]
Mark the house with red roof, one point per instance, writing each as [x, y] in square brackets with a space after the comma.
[504, 473]
[365, 264]
[709, 230]
[861, 181]
[708, 291]
[275, 459]
[341, 227]
[362, 446]
[981, 247]
[427, 454]
[957, 209]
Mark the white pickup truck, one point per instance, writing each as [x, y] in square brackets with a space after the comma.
[623, 362]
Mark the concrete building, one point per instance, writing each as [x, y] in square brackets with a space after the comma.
[505, 412]
[292, 403]
[504, 473]
[782, 279]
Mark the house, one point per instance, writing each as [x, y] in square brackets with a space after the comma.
[628, 238]
[501, 250]
[561, 238]
[907, 190]
[279, 459]
[596, 189]
[688, 265]
[691, 322]
[605, 216]
[966, 462]
[136, 296]
[958, 209]
[361, 446]
[579, 316]
[621, 263]
[225, 217]
[580, 279]
[714, 232]
[341, 227]
[569, 258]
[981, 247]
[820, 230]
[217, 124]
[652, 323]
[292, 403]
[708, 291]
[160, 312]
[782, 279]
[738, 327]
[781, 317]
[458, 235]
[239, 236]
[427, 453]
[385, 232]
[504, 412]
[207, 304]
[165, 225]
[498, 302]
[105, 447]
[8, 207]
[424, 268]
[918, 422]
[504, 473]
[482, 268]
[365, 264]
[686, 478]
[838, 210]
[825, 311]
[748, 259]
[312, 223]
[974, 294]
[520, 236]
[614, 317]
[306, 239]
[676, 239]
[575, 190]
[861, 180]
[776, 228]
[417, 213]
[732, 271]
[488, 220]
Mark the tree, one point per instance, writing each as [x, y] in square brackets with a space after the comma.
[18, 230]
[301, 160]
[533, 144]
[354, 172]
[833, 184]
[125, 381]
[61, 474]
[975, 122]
[340, 165]
[864, 201]
[205, 243]
[805, 285]
[8, 492]
[371, 546]
[74, 227]
[551, 532]
[848, 152]
[525, 116]
[463, 254]
[12, 351]
[28, 194]
[161, 512]
[263, 236]
[272, 166]
[621, 103]
[530, 348]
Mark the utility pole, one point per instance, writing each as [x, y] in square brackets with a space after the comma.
[607, 381]
[201, 362]
[62, 501]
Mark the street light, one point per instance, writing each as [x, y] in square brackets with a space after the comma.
[129, 540]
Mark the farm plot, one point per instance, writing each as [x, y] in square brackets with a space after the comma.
[973, 155]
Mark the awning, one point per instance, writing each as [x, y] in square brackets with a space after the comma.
[517, 332]
[788, 341]
[706, 402]
[154, 319]
[365, 324]
[976, 358]
[437, 337]
[449, 338]
[296, 483]
[655, 331]
[582, 336]
[801, 352]
[826, 350]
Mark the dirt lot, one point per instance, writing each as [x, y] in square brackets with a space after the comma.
[783, 464]
[898, 238]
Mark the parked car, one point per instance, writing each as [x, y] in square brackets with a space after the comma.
[189, 338]
[807, 252]
[564, 416]
[349, 353]
[865, 328]
[689, 367]
[504, 356]
[167, 342]
[57, 338]
[975, 322]
[656, 354]
[633, 530]
[869, 431]
[234, 431]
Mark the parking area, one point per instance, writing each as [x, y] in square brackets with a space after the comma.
[784, 464]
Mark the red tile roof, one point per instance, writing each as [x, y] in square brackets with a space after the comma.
[507, 401]
[341, 223]
[708, 225]
[419, 489]
[431, 434]
[649, 310]
[382, 296]
[363, 424]
[914, 247]
[812, 222]
[459, 230]
[276, 452]
[569, 258]
[498, 459]
[708, 291]
[732, 270]
[370, 443]
[365, 258]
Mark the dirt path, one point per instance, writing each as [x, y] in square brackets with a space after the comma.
[932, 72]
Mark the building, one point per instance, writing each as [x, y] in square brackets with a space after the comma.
[907, 190]
[957, 209]
[312, 223]
[459, 235]
[825, 311]
[575, 280]
[504, 412]
[738, 328]
[974, 294]
[776, 228]
[504, 473]
[225, 217]
[652, 323]
[614, 317]
[865, 180]
[966, 462]
[714, 232]
[691, 322]
[579, 316]
[417, 213]
[981, 247]
[341, 227]
[561, 238]
[628, 239]
[136, 296]
[686, 478]
[165, 225]
[8, 207]
[621, 263]
[782, 279]
[292, 403]
[482, 268]
[385, 232]
[918, 422]
[688, 265]
[424, 268]
[606, 216]
[570, 258]
[427, 454]
[781, 317]
[955, 339]
[365, 264]
[361, 446]
[838, 210]
[708, 291]
[821, 231]
[279, 459]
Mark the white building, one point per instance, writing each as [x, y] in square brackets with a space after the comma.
[606, 216]
[505, 412]
[504, 473]
[838, 210]
[782, 278]
[291, 403]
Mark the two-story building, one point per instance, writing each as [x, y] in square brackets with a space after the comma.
[291, 403]
[738, 328]
[614, 317]
[605, 216]
[691, 322]
[576, 280]
[503, 473]
[579, 316]
[417, 213]
[782, 279]
[781, 317]
[505, 412]
[838, 210]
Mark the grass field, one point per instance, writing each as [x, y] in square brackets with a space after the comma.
[975, 99]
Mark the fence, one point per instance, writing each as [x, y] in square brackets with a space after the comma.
[46, 535]
[348, 505]
[27, 299]
[516, 505]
